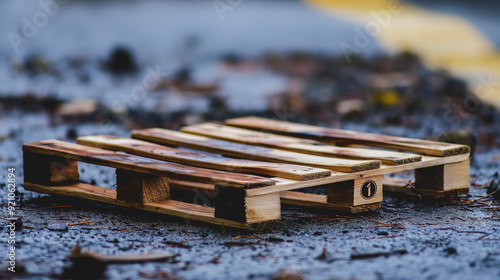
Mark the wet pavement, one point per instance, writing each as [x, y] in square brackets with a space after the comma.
[406, 239]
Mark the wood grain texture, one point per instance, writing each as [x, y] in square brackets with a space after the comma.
[400, 186]
[145, 165]
[203, 159]
[295, 144]
[141, 188]
[52, 170]
[175, 138]
[444, 177]
[169, 207]
[318, 201]
[233, 204]
[346, 137]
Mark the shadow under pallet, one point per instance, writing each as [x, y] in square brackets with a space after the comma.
[248, 173]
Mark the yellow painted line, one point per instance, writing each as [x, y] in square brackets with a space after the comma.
[442, 40]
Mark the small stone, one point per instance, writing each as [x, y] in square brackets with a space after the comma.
[384, 233]
[121, 61]
[58, 227]
[450, 251]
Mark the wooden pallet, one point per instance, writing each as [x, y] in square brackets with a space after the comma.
[248, 168]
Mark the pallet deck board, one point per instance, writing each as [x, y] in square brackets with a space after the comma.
[294, 144]
[175, 138]
[203, 159]
[145, 165]
[338, 136]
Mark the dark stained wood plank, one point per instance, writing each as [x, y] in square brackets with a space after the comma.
[145, 165]
[175, 138]
[294, 144]
[346, 137]
[203, 159]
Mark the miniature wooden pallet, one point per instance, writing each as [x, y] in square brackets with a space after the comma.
[247, 173]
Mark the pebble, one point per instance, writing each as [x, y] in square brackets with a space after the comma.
[121, 61]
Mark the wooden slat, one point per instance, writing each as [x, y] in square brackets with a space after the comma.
[175, 138]
[346, 137]
[300, 145]
[394, 185]
[203, 159]
[319, 201]
[145, 165]
[169, 207]
[287, 184]
[294, 198]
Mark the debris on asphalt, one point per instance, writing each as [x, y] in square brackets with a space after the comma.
[378, 254]
[58, 227]
[288, 274]
[121, 61]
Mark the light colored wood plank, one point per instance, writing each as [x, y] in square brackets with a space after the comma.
[175, 138]
[233, 204]
[444, 177]
[294, 198]
[394, 185]
[169, 207]
[287, 185]
[203, 159]
[145, 165]
[300, 145]
[319, 202]
[346, 137]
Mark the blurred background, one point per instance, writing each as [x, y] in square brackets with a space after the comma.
[205, 59]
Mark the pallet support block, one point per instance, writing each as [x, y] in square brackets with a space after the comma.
[141, 188]
[233, 204]
[49, 170]
[444, 177]
[356, 192]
